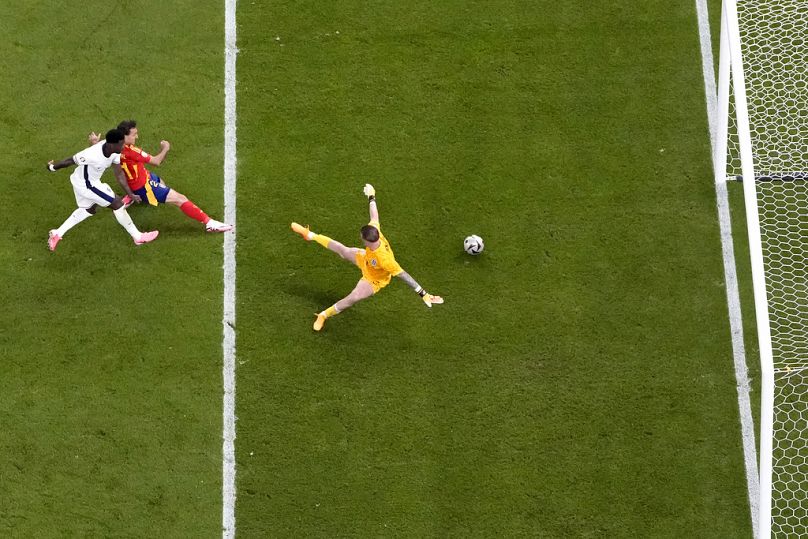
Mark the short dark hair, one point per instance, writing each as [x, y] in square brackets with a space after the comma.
[126, 126]
[370, 233]
[114, 136]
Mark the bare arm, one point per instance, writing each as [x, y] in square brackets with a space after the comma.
[117, 171]
[66, 162]
[158, 159]
[428, 298]
[407, 278]
[155, 159]
[370, 192]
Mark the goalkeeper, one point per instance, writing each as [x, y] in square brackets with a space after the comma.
[376, 261]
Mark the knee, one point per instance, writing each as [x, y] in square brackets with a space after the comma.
[179, 199]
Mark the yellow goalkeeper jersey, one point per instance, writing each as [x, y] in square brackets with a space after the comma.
[378, 266]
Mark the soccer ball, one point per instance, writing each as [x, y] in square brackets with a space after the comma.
[473, 245]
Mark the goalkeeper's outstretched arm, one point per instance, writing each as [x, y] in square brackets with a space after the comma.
[370, 192]
[428, 298]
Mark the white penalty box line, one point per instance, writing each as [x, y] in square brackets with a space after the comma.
[229, 307]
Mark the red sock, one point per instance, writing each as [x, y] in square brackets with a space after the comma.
[190, 209]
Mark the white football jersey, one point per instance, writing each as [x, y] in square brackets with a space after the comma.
[91, 163]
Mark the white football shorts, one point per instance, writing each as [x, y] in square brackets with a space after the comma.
[88, 193]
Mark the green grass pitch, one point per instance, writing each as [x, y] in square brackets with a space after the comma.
[578, 381]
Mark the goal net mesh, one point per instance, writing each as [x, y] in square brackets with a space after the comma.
[774, 43]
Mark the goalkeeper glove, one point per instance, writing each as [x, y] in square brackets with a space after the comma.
[429, 299]
[369, 191]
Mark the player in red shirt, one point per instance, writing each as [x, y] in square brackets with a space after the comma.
[148, 187]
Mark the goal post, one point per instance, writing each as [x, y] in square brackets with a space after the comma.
[762, 137]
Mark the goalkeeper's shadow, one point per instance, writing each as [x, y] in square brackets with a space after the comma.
[319, 297]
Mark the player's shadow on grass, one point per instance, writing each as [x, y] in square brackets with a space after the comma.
[320, 298]
[146, 218]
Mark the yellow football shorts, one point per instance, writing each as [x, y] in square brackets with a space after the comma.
[376, 283]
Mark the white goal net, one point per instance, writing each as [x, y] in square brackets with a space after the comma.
[774, 46]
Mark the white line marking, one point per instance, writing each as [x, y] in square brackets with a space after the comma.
[229, 313]
[730, 276]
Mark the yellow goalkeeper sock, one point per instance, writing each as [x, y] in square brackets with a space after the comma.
[331, 311]
[322, 240]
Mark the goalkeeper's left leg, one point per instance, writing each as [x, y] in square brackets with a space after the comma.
[362, 290]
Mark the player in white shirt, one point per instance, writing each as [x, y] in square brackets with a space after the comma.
[91, 192]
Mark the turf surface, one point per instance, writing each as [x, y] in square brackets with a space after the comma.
[577, 382]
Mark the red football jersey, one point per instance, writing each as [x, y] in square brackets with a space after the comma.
[132, 163]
